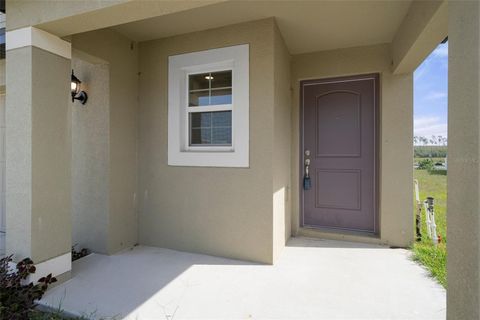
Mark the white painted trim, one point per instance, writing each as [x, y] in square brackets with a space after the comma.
[31, 36]
[235, 58]
[56, 266]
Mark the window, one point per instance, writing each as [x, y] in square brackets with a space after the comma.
[208, 107]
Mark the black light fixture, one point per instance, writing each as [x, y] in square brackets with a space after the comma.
[75, 90]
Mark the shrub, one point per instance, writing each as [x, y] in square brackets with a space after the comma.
[430, 151]
[425, 164]
[79, 254]
[442, 172]
[17, 297]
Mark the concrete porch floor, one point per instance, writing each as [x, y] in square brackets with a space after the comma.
[313, 279]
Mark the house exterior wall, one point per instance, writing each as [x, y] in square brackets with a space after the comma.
[422, 29]
[90, 156]
[234, 217]
[64, 18]
[37, 154]
[50, 174]
[122, 56]
[244, 213]
[3, 214]
[396, 133]
[463, 180]
[218, 211]
[3, 222]
[2, 75]
[282, 132]
[22, 13]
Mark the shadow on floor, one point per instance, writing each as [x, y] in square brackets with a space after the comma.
[331, 244]
[312, 279]
[114, 286]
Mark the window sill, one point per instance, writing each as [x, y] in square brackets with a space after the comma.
[202, 158]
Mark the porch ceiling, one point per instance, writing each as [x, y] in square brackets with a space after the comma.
[306, 26]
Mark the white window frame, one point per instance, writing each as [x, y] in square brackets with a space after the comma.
[225, 66]
[180, 153]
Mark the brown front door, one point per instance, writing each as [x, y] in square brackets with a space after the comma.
[339, 120]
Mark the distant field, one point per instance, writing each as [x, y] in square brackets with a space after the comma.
[430, 151]
[425, 252]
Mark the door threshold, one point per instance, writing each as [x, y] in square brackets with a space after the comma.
[339, 234]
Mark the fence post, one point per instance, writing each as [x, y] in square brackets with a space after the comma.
[431, 212]
[418, 214]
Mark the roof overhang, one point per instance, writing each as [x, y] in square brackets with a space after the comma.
[306, 26]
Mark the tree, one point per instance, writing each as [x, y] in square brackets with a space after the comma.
[424, 140]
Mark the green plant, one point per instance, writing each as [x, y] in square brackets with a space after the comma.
[433, 257]
[39, 315]
[17, 296]
[425, 164]
[430, 151]
[79, 254]
[442, 172]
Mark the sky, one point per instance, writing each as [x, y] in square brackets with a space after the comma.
[430, 94]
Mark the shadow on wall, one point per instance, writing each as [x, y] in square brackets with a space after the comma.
[90, 154]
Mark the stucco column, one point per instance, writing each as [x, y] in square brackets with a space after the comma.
[38, 149]
[463, 294]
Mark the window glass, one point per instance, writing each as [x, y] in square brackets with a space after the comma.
[199, 81]
[199, 98]
[207, 89]
[211, 128]
[221, 96]
[221, 79]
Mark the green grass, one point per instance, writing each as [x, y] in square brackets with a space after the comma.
[433, 258]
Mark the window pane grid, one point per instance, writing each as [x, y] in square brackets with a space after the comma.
[209, 90]
[211, 128]
[212, 88]
[211, 124]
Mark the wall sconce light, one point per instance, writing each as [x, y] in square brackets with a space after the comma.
[75, 90]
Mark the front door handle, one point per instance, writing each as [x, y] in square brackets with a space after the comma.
[307, 183]
[307, 168]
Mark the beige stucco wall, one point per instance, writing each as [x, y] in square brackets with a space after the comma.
[122, 57]
[396, 131]
[2, 75]
[219, 211]
[37, 154]
[90, 155]
[463, 232]
[64, 18]
[51, 147]
[243, 213]
[24, 13]
[3, 217]
[422, 29]
[281, 145]
[3, 214]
